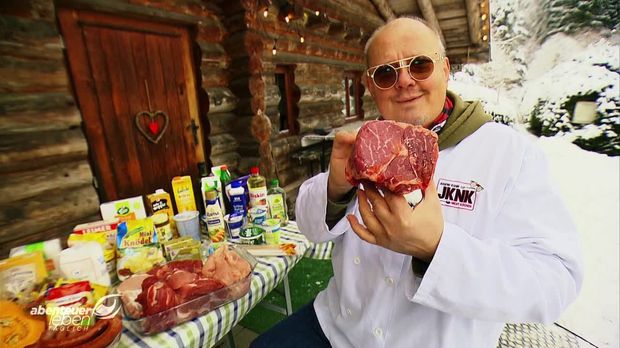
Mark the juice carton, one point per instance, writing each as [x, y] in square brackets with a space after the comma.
[160, 202]
[183, 193]
[209, 183]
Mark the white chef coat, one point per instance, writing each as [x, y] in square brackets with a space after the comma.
[511, 256]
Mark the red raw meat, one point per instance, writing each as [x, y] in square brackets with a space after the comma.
[397, 156]
[199, 287]
[159, 297]
[179, 278]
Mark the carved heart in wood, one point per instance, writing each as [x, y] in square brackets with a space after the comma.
[153, 126]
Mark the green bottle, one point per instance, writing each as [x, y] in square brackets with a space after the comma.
[276, 199]
[225, 179]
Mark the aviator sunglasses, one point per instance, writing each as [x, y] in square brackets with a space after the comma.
[385, 76]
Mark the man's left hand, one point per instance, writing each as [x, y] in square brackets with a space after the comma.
[391, 223]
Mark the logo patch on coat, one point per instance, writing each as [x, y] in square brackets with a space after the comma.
[458, 194]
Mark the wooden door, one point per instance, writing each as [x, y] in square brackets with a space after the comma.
[118, 67]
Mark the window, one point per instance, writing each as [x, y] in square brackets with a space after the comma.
[289, 97]
[353, 95]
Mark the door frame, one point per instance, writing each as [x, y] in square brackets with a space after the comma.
[84, 90]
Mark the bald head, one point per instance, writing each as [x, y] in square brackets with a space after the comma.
[403, 24]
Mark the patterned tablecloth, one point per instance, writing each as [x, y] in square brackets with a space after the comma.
[208, 329]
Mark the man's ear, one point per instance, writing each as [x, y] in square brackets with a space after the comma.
[446, 68]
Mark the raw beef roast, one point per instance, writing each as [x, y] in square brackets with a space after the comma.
[397, 156]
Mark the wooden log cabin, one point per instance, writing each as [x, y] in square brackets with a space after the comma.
[102, 100]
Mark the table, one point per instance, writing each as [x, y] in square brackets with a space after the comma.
[208, 329]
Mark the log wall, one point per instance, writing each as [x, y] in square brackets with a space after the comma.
[46, 181]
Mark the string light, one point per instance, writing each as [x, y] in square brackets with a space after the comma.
[273, 50]
[266, 12]
[484, 38]
[301, 38]
[484, 16]
[287, 19]
[317, 13]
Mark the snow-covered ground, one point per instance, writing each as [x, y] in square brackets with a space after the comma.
[589, 184]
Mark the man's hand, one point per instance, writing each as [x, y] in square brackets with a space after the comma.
[391, 223]
[337, 184]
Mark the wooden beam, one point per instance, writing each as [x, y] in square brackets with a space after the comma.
[384, 9]
[426, 7]
[473, 21]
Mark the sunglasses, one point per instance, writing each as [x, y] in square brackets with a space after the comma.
[385, 76]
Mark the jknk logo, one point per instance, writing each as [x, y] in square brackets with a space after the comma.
[457, 194]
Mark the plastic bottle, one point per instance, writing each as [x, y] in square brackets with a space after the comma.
[276, 198]
[225, 179]
[214, 218]
[237, 199]
[258, 188]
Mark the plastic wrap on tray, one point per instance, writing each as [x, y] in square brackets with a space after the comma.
[188, 310]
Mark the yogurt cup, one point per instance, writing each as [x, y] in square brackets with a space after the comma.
[234, 221]
[257, 215]
[272, 231]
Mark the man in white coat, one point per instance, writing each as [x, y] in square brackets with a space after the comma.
[453, 270]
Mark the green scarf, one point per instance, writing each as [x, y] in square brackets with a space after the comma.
[465, 119]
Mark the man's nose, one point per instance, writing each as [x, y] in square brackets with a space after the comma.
[404, 79]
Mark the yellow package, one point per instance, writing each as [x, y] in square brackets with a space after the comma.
[183, 193]
[160, 202]
[19, 275]
[138, 247]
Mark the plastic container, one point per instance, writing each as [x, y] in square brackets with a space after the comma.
[257, 187]
[234, 222]
[272, 231]
[257, 215]
[188, 224]
[276, 199]
[237, 198]
[193, 308]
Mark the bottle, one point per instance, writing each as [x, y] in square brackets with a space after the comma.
[258, 189]
[276, 198]
[214, 218]
[225, 179]
[237, 199]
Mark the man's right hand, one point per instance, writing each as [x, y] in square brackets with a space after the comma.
[337, 184]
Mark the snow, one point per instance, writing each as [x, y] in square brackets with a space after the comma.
[589, 185]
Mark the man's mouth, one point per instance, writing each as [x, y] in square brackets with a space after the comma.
[407, 99]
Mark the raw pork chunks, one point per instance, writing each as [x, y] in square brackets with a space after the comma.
[397, 156]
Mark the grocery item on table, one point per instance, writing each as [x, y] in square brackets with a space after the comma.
[182, 290]
[18, 328]
[214, 218]
[160, 202]
[237, 196]
[211, 183]
[50, 249]
[257, 187]
[225, 180]
[163, 226]
[252, 235]
[85, 261]
[184, 248]
[20, 275]
[282, 249]
[183, 193]
[138, 247]
[234, 222]
[272, 231]
[123, 209]
[107, 226]
[276, 200]
[103, 334]
[109, 251]
[257, 215]
[188, 224]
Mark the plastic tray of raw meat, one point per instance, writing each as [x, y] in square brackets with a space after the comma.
[178, 291]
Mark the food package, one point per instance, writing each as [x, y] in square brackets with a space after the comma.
[50, 249]
[183, 193]
[123, 209]
[138, 247]
[161, 203]
[85, 261]
[109, 251]
[184, 248]
[20, 275]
